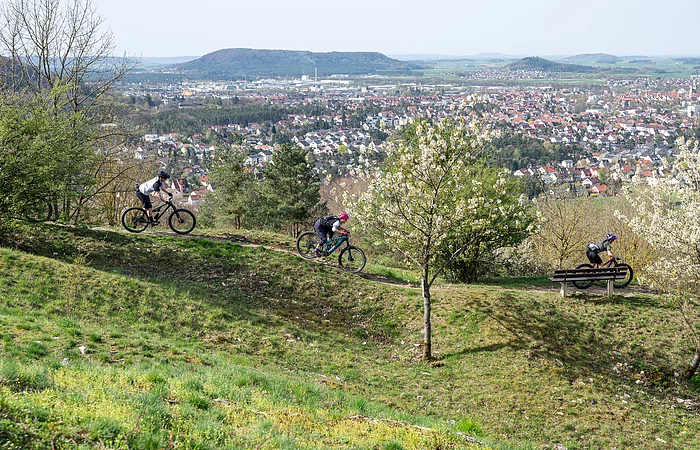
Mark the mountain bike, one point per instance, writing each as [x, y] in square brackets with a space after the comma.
[351, 258]
[180, 220]
[612, 262]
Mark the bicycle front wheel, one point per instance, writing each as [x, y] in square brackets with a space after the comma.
[40, 210]
[306, 243]
[583, 284]
[182, 221]
[627, 280]
[135, 220]
[352, 259]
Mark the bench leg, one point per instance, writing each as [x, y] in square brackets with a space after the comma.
[610, 288]
[564, 289]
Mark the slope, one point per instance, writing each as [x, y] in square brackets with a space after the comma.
[162, 342]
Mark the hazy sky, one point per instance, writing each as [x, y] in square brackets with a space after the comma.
[392, 27]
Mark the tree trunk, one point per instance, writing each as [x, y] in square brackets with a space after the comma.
[693, 367]
[427, 340]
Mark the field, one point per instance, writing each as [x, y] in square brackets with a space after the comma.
[229, 340]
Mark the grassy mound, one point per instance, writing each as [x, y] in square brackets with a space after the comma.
[151, 341]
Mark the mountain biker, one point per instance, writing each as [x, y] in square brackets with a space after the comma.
[156, 184]
[326, 226]
[593, 250]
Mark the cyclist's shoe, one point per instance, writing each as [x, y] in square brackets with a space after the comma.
[153, 223]
[317, 253]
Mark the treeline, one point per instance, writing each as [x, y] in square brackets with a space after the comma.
[195, 120]
[514, 151]
[287, 198]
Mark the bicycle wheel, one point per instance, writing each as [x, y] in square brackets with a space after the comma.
[39, 210]
[182, 221]
[306, 243]
[627, 280]
[352, 259]
[135, 220]
[583, 284]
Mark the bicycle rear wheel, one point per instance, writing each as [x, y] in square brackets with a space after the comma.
[627, 280]
[583, 284]
[182, 221]
[352, 259]
[135, 220]
[306, 243]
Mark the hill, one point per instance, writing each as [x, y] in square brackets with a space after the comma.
[112, 340]
[238, 62]
[593, 58]
[688, 60]
[545, 65]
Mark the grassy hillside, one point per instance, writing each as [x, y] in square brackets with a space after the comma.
[151, 341]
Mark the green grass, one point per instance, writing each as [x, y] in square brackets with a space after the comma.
[518, 282]
[110, 340]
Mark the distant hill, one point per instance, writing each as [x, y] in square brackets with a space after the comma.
[237, 62]
[689, 60]
[593, 58]
[545, 65]
[157, 61]
[12, 70]
[424, 57]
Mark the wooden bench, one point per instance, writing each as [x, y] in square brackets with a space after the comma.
[609, 274]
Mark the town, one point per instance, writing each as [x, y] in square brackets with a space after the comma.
[615, 131]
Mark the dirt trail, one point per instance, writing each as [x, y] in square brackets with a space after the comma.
[332, 262]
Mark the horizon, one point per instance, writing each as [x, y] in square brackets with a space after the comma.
[441, 55]
[444, 27]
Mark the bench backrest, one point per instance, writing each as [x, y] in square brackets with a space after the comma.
[590, 273]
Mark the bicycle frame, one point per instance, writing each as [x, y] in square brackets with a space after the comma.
[157, 214]
[333, 243]
[611, 262]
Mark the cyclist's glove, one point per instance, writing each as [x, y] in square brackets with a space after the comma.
[170, 195]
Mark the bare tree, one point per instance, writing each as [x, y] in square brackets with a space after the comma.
[564, 229]
[51, 43]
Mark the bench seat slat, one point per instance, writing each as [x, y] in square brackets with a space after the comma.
[581, 278]
[603, 270]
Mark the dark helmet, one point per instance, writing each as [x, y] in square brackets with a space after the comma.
[163, 174]
[610, 237]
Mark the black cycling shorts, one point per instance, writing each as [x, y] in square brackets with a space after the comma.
[322, 232]
[145, 199]
[593, 257]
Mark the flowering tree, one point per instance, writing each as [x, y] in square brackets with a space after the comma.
[668, 216]
[424, 195]
[498, 217]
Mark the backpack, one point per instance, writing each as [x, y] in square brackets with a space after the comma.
[328, 221]
[593, 247]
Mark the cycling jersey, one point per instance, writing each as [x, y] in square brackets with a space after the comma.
[149, 186]
[604, 247]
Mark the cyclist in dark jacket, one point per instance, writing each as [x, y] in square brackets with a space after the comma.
[593, 250]
[325, 227]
